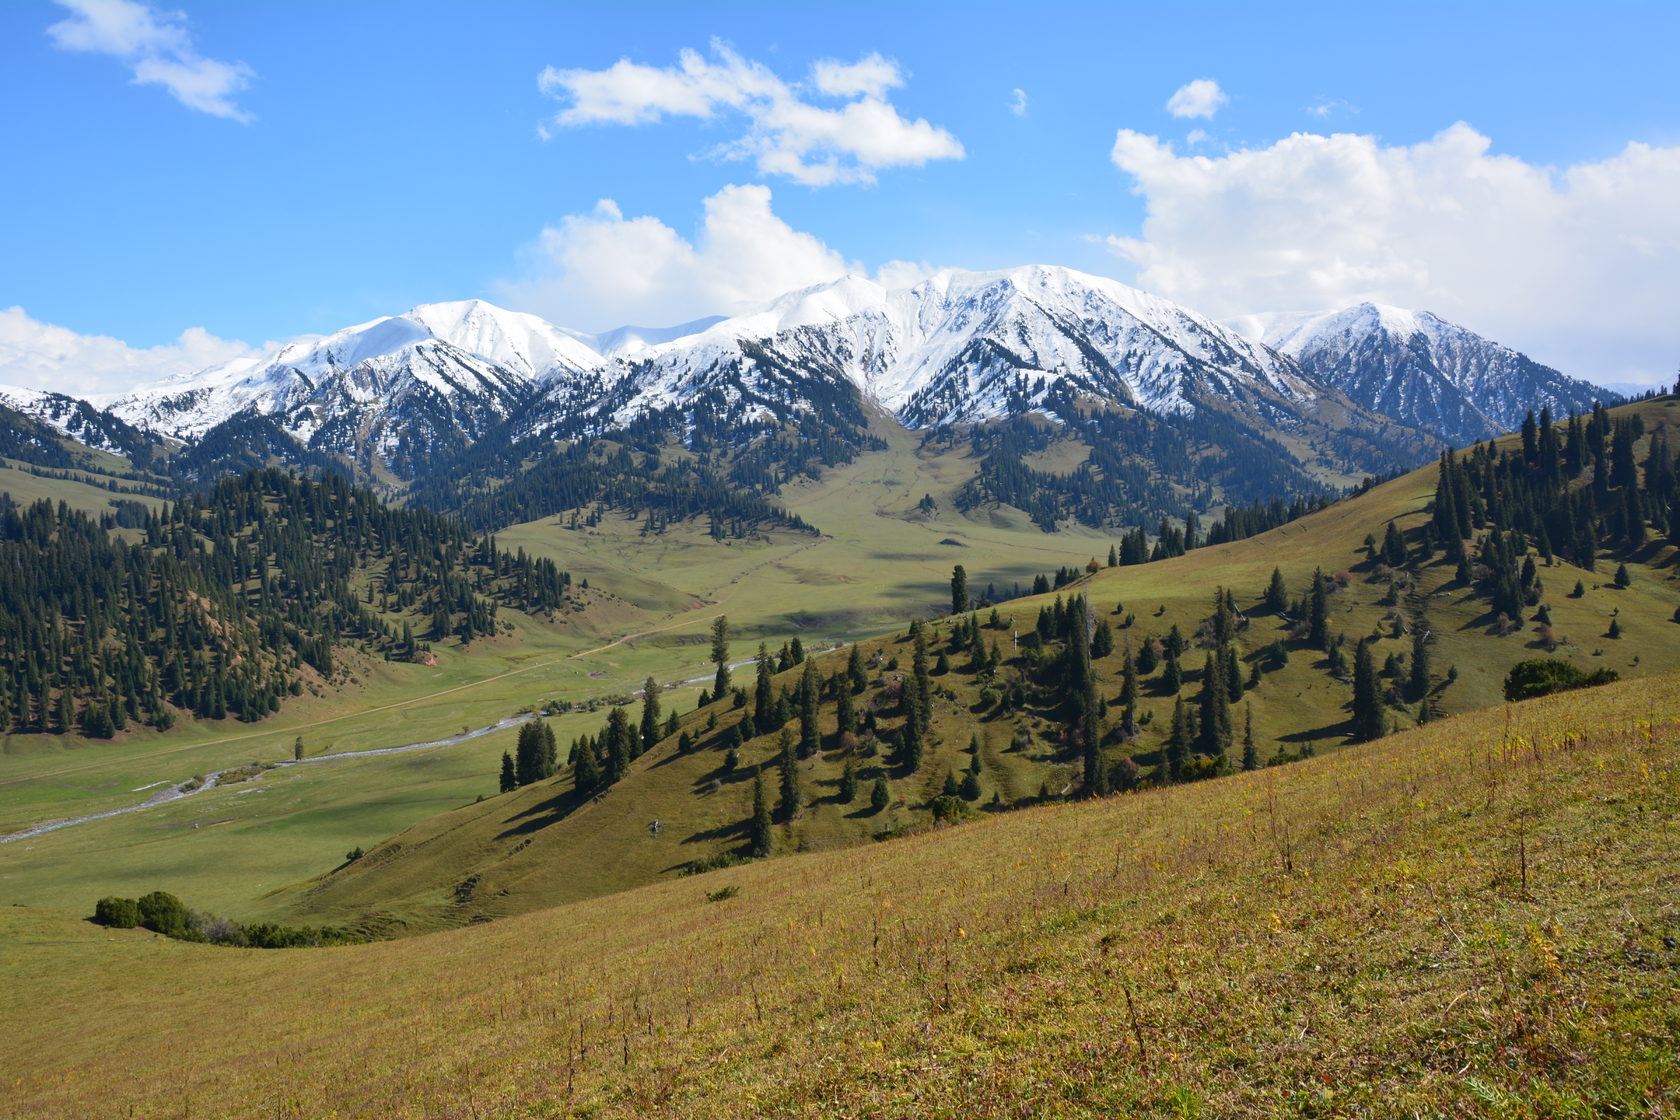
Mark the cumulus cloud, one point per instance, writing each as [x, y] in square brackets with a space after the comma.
[788, 132]
[602, 270]
[1200, 98]
[1018, 103]
[158, 49]
[37, 355]
[1579, 268]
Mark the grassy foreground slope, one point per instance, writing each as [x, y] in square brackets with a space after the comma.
[1474, 918]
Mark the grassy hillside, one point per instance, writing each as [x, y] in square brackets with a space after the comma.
[1475, 918]
[546, 844]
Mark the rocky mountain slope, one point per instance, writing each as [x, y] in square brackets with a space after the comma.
[1422, 370]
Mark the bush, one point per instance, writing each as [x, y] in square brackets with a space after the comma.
[118, 913]
[163, 913]
[1543, 676]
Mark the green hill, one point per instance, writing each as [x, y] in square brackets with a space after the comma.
[1474, 918]
[1027, 733]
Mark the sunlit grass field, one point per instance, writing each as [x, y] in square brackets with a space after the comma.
[1474, 918]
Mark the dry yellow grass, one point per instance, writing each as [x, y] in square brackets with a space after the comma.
[1468, 919]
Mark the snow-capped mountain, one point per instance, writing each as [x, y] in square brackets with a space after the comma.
[382, 392]
[1422, 370]
[398, 397]
[79, 419]
[962, 347]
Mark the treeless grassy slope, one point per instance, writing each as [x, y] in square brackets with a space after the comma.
[1473, 918]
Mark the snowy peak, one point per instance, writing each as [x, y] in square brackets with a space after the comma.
[514, 340]
[1422, 369]
[960, 347]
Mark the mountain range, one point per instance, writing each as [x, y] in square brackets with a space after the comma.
[448, 390]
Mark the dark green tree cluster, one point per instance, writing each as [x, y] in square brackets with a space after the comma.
[225, 602]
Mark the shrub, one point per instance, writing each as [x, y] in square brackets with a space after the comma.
[1543, 676]
[118, 913]
[163, 913]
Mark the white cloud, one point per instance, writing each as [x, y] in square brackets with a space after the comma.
[1018, 103]
[158, 48]
[871, 76]
[37, 355]
[1200, 98]
[1196, 136]
[602, 270]
[786, 133]
[1579, 268]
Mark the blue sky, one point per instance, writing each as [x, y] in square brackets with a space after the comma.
[246, 172]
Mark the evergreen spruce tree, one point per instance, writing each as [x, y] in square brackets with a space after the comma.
[1368, 720]
[527, 758]
[1215, 714]
[650, 715]
[619, 745]
[959, 590]
[720, 655]
[586, 767]
[1419, 683]
[1172, 677]
[788, 763]
[1233, 675]
[510, 780]
[1318, 611]
[849, 783]
[854, 670]
[1277, 595]
[1250, 756]
[845, 708]
[759, 827]
[950, 788]
[880, 796]
[547, 750]
[1178, 741]
[764, 691]
[1102, 642]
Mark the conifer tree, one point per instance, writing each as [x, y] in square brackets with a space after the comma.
[1368, 721]
[528, 754]
[1178, 741]
[586, 768]
[854, 670]
[880, 796]
[650, 715]
[1215, 715]
[720, 655]
[788, 763]
[510, 780]
[810, 697]
[959, 590]
[1250, 756]
[619, 745]
[1419, 683]
[547, 750]
[759, 828]
[1277, 595]
[1318, 611]
[845, 708]
[764, 692]
[848, 782]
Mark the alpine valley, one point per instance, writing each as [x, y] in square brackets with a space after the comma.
[1012, 694]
